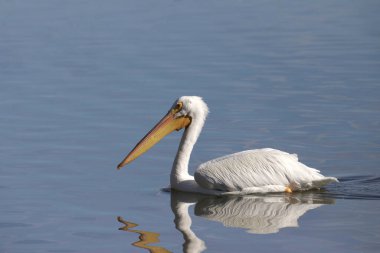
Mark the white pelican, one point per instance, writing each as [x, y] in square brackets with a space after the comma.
[250, 171]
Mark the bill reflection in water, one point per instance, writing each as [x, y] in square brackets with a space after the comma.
[145, 237]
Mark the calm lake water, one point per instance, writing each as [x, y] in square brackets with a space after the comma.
[82, 81]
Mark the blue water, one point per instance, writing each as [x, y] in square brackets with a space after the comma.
[82, 81]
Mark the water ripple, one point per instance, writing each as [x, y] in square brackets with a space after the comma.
[366, 187]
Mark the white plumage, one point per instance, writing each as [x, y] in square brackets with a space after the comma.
[259, 170]
[251, 171]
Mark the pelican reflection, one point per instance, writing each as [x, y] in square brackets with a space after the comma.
[180, 203]
[263, 214]
[257, 214]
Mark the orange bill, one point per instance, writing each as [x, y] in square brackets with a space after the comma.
[164, 127]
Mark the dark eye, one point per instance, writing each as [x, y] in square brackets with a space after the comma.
[178, 107]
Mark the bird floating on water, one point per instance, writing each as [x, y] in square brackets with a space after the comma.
[247, 172]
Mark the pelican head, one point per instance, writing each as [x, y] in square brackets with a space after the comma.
[181, 114]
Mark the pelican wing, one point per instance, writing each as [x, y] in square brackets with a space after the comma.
[261, 170]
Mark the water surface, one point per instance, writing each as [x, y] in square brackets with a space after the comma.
[82, 81]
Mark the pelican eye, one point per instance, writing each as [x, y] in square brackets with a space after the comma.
[178, 107]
